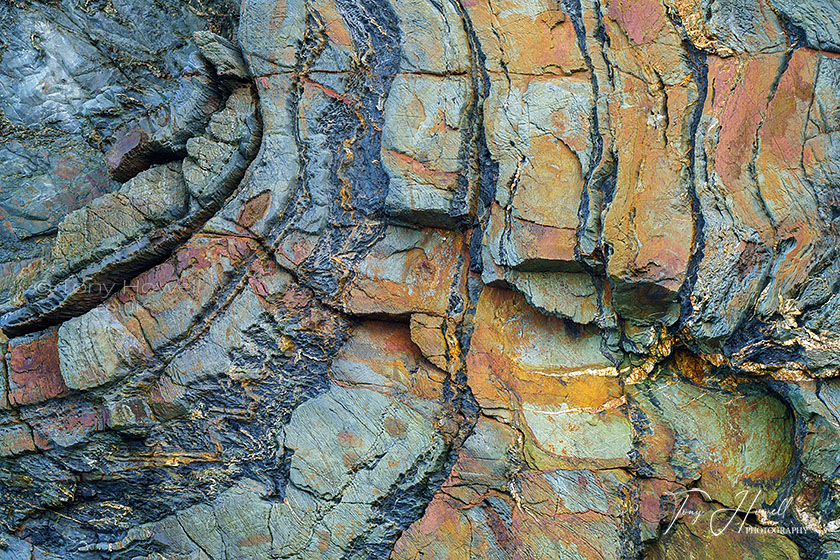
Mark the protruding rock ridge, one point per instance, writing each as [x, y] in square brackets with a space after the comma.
[214, 125]
[420, 279]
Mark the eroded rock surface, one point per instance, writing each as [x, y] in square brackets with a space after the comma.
[409, 279]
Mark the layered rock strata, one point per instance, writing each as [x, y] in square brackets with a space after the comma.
[468, 279]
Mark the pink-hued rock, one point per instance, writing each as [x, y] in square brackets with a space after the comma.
[33, 369]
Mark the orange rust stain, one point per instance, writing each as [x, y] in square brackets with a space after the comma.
[254, 210]
[421, 170]
[254, 540]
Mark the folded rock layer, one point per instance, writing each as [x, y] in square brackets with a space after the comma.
[420, 279]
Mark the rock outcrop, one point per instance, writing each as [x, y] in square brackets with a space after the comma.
[458, 279]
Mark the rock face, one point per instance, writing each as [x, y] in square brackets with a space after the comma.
[410, 279]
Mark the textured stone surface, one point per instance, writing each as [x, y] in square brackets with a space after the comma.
[410, 279]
